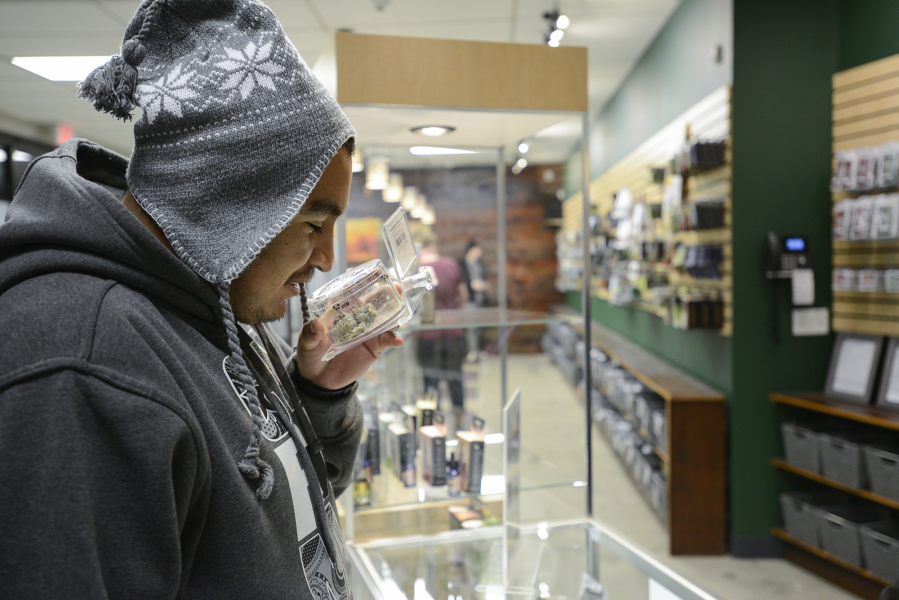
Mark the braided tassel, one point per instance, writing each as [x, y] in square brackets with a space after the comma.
[251, 466]
[304, 303]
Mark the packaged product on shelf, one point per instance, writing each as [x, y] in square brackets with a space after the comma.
[401, 452]
[866, 172]
[862, 210]
[845, 171]
[885, 220]
[889, 165]
[372, 434]
[891, 281]
[453, 482]
[433, 451]
[471, 455]
[869, 280]
[844, 280]
[842, 217]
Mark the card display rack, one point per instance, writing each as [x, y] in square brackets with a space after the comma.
[865, 114]
[643, 173]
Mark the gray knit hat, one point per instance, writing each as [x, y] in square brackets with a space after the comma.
[235, 133]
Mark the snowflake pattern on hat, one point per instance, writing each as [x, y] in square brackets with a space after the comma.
[166, 93]
[250, 67]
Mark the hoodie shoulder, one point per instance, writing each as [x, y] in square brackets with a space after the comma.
[49, 316]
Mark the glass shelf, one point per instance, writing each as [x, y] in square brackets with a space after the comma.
[387, 491]
[489, 317]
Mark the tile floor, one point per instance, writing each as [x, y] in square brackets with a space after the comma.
[554, 437]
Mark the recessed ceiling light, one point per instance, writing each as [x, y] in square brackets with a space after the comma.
[435, 151]
[433, 130]
[60, 68]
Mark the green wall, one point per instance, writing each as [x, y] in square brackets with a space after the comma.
[784, 56]
[673, 74]
[868, 31]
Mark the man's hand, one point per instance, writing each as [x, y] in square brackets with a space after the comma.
[346, 367]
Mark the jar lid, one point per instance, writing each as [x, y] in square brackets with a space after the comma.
[349, 284]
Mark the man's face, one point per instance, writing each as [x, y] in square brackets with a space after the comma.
[261, 291]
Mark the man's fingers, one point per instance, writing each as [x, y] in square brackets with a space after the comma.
[310, 336]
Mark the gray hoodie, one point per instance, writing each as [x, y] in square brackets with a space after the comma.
[120, 428]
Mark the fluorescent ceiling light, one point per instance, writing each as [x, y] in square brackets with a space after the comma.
[60, 68]
[435, 151]
[433, 130]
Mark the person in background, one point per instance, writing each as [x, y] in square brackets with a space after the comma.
[440, 352]
[158, 440]
[474, 274]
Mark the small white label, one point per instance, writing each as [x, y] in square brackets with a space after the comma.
[398, 236]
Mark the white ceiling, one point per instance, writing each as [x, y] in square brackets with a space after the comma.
[616, 32]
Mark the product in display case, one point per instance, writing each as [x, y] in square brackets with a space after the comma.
[401, 452]
[365, 301]
[433, 451]
[471, 455]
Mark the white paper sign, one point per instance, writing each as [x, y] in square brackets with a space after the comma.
[854, 366]
[803, 287]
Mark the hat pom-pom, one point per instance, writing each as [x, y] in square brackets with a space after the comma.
[111, 86]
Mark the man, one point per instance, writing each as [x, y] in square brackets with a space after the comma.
[158, 441]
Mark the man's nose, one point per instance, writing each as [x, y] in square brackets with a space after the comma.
[323, 254]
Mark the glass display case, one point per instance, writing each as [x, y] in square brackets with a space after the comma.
[578, 559]
[487, 350]
[438, 401]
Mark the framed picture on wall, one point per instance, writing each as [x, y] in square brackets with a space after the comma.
[888, 392]
[854, 364]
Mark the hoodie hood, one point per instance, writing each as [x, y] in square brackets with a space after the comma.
[67, 215]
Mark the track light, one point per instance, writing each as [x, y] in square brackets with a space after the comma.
[523, 146]
[555, 24]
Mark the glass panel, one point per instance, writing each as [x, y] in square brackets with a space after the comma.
[577, 561]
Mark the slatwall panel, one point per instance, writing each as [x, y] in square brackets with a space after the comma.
[865, 113]
[709, 119]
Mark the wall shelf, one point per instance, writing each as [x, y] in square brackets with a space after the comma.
[818, 402]
[782, 465]
[695, 462]
[859, 581]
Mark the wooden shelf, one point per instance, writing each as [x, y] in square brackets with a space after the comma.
[818, 402]
[859, 581]
[696, 426]
[783, 465]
